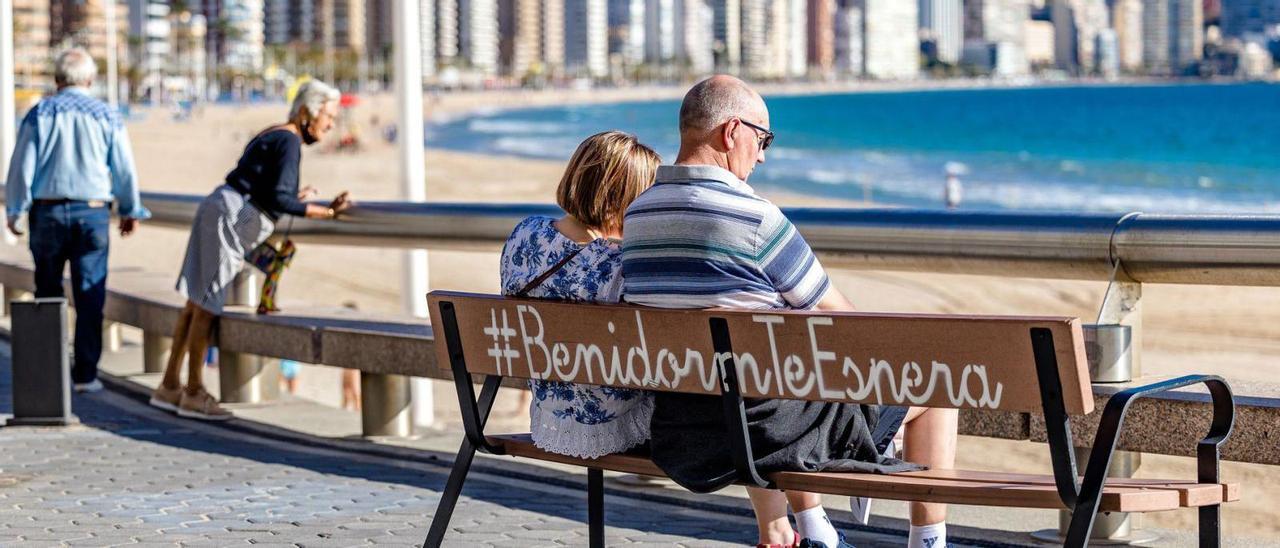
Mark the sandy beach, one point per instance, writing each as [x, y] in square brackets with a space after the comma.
[1233, 331]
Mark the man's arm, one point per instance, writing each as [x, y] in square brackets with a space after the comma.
[22, 173]
[834, 301]
[124, 181]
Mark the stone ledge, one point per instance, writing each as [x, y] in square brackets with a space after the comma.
[1169, 423]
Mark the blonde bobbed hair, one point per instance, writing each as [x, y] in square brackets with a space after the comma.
[606, 173]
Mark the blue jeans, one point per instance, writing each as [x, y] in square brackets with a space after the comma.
[76, 233]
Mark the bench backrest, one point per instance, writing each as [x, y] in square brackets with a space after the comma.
[949, 361]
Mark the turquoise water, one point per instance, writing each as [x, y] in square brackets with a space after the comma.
[1201, 148]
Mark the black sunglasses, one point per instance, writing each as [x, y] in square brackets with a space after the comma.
[768, 135]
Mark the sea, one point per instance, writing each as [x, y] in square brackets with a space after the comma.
[1181, 148]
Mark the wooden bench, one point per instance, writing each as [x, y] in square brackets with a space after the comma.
[997, 363]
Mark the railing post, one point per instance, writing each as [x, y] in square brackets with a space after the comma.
[246, 378]
[112, 339]
[155, 352]
[386, 405]
[1114, 349]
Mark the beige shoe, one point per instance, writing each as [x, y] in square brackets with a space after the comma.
[203, 406]
[166, 398]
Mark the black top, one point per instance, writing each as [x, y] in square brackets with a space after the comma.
[268, 173]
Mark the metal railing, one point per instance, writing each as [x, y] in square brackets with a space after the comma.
[1217, 250]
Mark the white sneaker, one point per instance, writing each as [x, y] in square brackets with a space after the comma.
[88, 387]
[861, 506]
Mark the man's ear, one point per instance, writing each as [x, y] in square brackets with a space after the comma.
[726, 133]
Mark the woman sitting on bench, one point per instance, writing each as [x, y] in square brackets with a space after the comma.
[578, 257]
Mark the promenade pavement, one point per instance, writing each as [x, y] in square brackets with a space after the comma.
[133, 475]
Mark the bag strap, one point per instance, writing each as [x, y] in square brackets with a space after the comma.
[524, 292]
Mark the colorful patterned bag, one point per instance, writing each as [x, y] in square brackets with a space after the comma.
[273, 266]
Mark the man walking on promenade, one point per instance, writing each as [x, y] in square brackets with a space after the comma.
[700, 237]
[71, 162]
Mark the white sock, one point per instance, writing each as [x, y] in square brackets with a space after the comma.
[814, 525]
[928, 536]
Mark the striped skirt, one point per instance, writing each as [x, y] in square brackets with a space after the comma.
[227, 227]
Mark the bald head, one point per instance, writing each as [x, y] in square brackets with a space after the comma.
[715, 100]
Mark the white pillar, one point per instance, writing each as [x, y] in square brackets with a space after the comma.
[113, 85]
[8, 122]
[408, 59]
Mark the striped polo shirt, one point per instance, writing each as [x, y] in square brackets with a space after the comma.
[702, 238]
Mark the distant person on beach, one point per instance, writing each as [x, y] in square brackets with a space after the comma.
[953, 191]
[578, 258]
[702, 238]
[72, 162]
[351, 377]
[236, 218]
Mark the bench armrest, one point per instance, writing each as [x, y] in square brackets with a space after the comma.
[1104, 446]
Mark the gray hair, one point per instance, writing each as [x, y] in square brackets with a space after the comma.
[714, 101]
[312, 96]
[75, 67]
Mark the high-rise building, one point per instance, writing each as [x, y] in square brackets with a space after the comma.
[1003, 23]
[1126, 19]
[478, 35]
[822, 35]
[84, 23]
[891, 43]
[586, 38]
[1173, 35]
[849, 38]
[1076, 24]
[553, 39]
[727, 16]
[32, 66]
[187, 59]
[426, 37]
[1187, 17]
[1241, 18]
[150, 41]
[797, 38]
[519, 36]
[626, 31]
[755, 40]
[447, 32]
[660, 31]
[943, 22]
[242, 41]
[1108, 55]
[1039, 45]
[695, 35]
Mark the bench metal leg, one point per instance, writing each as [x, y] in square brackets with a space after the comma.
[449, 498]
[1210, 526]
[595, 506]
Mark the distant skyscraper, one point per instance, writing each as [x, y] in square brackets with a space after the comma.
[727, 25]
[849, 38]
[1108, 55]
[586, 38]
[478, 34]
[943, 21]
[1000, 22]
[695, 32]
[660, 30]
[149, 36]
[520, 36]
[188, 53]
[447, 32]
[426, 37]
[797, 38]
[1076, 24]
[553, 37]
[31, 44]
[822, 35]
[626, 31]
[755, 41]
[1173, 32]
[1126, 19]
[1245, 17]
[891, 43]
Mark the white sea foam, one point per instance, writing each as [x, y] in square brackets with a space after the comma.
[516, 127]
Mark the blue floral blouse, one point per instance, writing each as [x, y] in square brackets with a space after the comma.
[566, 418]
